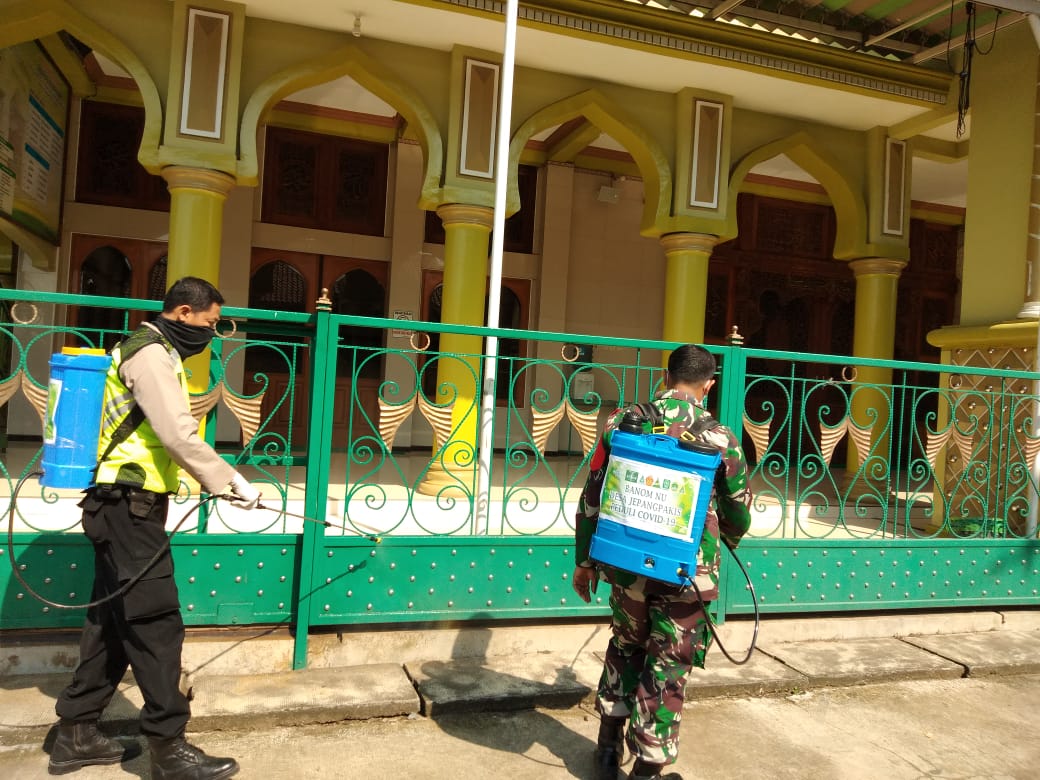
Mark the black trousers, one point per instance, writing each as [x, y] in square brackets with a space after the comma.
[141, 629]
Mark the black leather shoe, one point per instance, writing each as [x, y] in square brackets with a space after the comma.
[653, 775]
[610, 747]
[608, 761]
[175, 759]
[81, 744]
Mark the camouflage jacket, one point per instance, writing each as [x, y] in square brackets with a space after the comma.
[729, 514]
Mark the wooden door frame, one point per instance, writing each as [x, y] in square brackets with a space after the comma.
[141, 253]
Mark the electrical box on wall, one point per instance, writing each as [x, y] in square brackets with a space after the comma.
[582, 384]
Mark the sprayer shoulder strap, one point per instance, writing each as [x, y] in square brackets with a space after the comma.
[702, 424]
[129, 424]
[652, 413]
[142, 337]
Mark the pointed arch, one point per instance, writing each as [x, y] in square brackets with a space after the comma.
[849, 207]
[614, 120]
[31, 19]
[346, 61]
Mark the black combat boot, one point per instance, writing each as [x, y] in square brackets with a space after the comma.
[80, 744]
[610, 747]
[175, 759]
[644, 771]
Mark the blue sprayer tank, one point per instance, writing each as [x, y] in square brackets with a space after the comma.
[72, 425]
[655, 499]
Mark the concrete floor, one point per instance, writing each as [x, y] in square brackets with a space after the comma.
[955, 729]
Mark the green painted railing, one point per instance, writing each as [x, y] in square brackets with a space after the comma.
[349, 422]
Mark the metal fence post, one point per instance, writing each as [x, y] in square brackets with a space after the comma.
[731, 414]
[319, 434]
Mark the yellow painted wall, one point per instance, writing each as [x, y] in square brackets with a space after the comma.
[615, 276]
[143, 25]
[752, 129]
[271, 47]
[1003, 94]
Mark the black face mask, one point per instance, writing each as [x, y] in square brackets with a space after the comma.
[187, 339]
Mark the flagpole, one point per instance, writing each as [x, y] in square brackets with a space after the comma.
[485, 446]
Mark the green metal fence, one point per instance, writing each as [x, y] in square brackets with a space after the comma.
[349, 423]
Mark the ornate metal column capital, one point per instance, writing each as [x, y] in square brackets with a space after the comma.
[465, 214]
[877, 265]
[185, 177]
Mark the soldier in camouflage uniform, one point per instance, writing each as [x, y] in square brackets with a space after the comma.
[659, 630]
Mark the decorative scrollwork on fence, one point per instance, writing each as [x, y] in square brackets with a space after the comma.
[439, 418]
[36, 395]
[585, 423]
[391, 416]
[543, 423]
[246, 410]
[831, 435]
[759, 434]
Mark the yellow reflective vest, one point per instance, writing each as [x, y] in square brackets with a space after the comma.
[138, 458]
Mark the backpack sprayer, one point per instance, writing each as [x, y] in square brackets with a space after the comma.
[654, 503]
[71, 431]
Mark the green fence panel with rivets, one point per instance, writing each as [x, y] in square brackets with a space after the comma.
[222, 579]
[837, 575]
[237, 580]
[423, 578]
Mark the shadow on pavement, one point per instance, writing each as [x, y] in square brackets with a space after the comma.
[33, 695]
[539, 737]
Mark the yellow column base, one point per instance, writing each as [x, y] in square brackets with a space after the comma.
[453, 474]
[466, 231]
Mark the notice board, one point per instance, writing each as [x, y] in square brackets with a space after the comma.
[34, 108]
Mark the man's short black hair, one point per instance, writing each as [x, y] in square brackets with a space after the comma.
[691, 363]
[197, 293]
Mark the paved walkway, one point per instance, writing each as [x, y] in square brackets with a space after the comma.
[241, 682]
[975, 728]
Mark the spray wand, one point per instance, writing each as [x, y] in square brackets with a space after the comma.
[372, 537]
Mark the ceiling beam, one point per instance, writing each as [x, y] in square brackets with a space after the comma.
[1005, 20]
[923, 17]
[724, 7]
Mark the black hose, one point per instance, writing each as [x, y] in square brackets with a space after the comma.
[711, 623]
[158, 554]
[97, 602]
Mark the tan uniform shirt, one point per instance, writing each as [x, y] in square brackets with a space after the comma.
[149, 374]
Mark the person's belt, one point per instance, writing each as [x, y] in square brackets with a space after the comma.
[106, 491]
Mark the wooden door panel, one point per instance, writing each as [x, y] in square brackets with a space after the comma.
[357, 287]
[312, 273]
[121, 268]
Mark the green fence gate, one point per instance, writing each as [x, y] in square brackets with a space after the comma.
[915, 490]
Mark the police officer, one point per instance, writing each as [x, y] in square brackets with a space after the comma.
[147, 432]
[659, 630]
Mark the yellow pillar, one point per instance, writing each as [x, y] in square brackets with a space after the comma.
[1031, 306]
[197, 197]
[685, 286]
[874, 334]
[466, 231]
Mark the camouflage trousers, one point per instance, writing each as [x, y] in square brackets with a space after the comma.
[656, 641]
